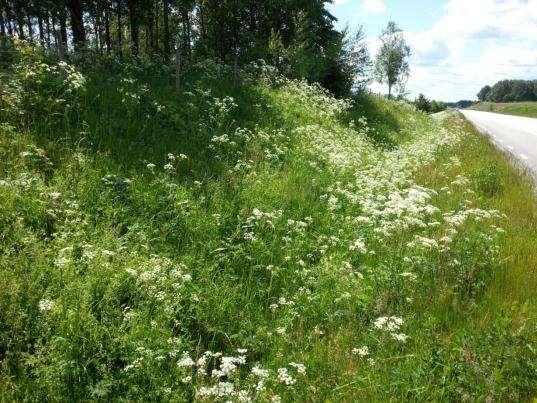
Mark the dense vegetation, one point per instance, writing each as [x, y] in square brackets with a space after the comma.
[301, 41]
[252, 237]
[528, 109]
[509, 91]
[429, 106]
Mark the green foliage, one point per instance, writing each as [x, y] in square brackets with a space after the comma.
[484, 93]
[391, 64]
[252, 238]
[489, 180]
[301, 41]
[509, 91]
[429, 106]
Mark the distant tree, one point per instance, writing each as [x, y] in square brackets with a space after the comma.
[511, 91]
[422, 103]
[429, 106]
[484, 93]
[437, 106]
[391, 65]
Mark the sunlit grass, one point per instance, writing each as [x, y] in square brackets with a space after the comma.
[330, 249]
[528, 109]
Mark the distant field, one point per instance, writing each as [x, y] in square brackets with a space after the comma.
[515, 108]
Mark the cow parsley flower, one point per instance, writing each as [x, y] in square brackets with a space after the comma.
[362, 351]
[185, 361]
[359, 246]
[300, 368]
[401, 337]
[260, 372]
[46, 305]
[284, 377]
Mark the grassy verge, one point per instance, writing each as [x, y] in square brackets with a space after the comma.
[528, 109]
[254, 240]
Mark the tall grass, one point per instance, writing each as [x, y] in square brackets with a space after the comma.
[255, 240]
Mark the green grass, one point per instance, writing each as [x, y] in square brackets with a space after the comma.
[361, 239]
[528, 109]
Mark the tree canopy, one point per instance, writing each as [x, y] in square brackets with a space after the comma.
[391, 65]
[509, 91]
[301, 41]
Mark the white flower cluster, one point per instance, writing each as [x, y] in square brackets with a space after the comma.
[224, 377]
[46, 305]
[391, 324]
[161, 280]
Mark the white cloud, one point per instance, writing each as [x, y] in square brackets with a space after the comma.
[474, 43]
[340, 2]
[374, 6]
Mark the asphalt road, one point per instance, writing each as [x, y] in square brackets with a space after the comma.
[514, 134]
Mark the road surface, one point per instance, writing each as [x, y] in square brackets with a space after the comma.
[514, 134]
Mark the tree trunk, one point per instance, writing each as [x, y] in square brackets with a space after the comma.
[97, 33]
[77, 23]
[55, 34]
[30, 27]
[133, 19]
[47, 24]
[9, 27]
[178, 65]
[149, 31]
[20, 25]
[41, 30]
[186, 32]
[63, 29]
[2, 24]
[107, 29]
[166, 13]
[59, 44]
[119, 29]
[156, 37]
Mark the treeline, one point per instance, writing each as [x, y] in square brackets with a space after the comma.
[509, 91]
[297, 36]
[429, 106]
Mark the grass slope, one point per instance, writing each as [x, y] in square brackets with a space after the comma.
[528, 109]
[254, 240]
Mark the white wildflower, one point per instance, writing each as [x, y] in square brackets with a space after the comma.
[284, 377]
[300, 368]
[185, 361]
[359, 246]
[361, 351]
[46, 305]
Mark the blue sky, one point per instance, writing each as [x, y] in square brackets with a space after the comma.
[458, 45]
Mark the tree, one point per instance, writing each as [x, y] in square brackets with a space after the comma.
[422, 103]
[357, 60]
[77, 23]
[391, 65]
[484, 93]
[437, 106]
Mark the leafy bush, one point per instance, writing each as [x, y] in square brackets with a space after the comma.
[489, 180]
